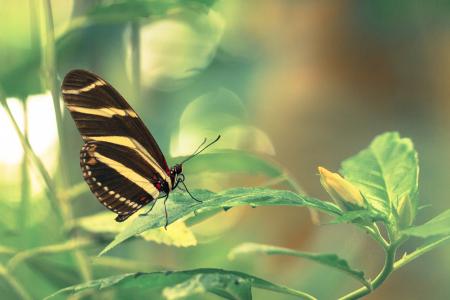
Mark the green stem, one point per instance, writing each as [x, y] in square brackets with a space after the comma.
[25, 184]
[375, 233]
[381, 277]
[52, 81]
[14, 284]
[22, 256]
[51, 188]
[418, 252]
[136, 59]
[49, 69]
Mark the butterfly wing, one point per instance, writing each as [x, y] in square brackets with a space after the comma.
[120, 160]
[123, 186]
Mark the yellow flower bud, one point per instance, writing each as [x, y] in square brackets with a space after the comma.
[345, 194]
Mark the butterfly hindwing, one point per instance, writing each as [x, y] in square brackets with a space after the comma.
[121, 186]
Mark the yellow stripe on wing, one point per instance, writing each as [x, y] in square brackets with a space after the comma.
[129, 174]
[107, 112]
[135, 145]
[84, 89]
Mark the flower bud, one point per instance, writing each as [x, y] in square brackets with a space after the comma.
[345, 194]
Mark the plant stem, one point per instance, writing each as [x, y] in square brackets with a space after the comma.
[25, 180]
[374, 232]
[418, 252]
[136, 59]
[51, 189]
[50, 72]
[22, 256]
[15, 285]
[49, 69]
[381, 277]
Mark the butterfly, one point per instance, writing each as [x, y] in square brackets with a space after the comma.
[120, 160]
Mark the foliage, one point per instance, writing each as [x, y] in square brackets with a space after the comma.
[374, 171]
[181, 205]
[376, 191]
[176, 285]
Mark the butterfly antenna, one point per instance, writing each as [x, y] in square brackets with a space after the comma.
[197, 151]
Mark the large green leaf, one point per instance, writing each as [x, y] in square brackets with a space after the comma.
[331, 260]
[386, 172]
[181, 205]
[175, 285]
[438, 226]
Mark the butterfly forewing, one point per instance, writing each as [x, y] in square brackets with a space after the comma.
[121, 161]
[100, 111]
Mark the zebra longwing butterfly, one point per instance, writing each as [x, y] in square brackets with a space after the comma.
[120, 160]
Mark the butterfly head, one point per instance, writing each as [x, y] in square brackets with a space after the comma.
[175, 172]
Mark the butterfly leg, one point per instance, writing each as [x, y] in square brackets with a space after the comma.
[165, 211]
[148, 211]
[187, 191]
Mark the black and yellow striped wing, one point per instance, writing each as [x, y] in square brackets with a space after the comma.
[121, 161]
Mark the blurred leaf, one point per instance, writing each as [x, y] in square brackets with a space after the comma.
[177, 47]
[331, 260]
[49, 249]
[233, 161]
[438, 226]
[227, 284]
[181, 205]
[20, 48]
[126, 11]
[75, 190]
[178, 235]
[6, 250]
[385, 172]
[111, 262]
[57, 274]
[208, 115]
[21, 76]
[100, 223]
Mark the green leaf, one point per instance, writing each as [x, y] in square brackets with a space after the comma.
[385, 172]
[182, 205]
[229, 287]
[438, 226]
[178, 235]
[180, 284]
[331, 260]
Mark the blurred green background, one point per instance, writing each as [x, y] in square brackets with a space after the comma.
[297, 83]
